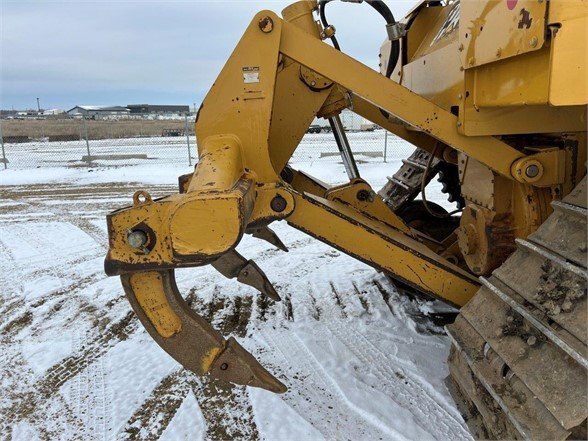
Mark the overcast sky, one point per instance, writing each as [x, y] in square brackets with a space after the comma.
[156, 52]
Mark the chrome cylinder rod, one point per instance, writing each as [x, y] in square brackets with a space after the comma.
[344, 148]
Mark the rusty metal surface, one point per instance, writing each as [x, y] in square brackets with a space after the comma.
[405, 185]
[551, 285]
[197, 345]
[505, 414]
[565, 234]
[267, 234]
[545, 368]
[532, 315]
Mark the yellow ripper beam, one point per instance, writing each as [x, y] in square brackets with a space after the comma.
[383, 247]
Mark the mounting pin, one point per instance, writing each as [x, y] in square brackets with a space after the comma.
[137, 239]
[278, 204]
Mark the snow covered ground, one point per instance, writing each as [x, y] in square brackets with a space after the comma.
[362, 362]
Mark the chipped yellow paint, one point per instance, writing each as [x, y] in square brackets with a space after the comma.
[154, 303]
[209, 358]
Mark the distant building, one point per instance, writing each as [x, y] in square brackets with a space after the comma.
[157, 109]
[98, 111]
[52, 112]
[351, 121]
[8, 113]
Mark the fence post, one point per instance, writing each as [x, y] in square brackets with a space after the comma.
[3, 152]
[188, 139]
[385, 146]
[87, 142]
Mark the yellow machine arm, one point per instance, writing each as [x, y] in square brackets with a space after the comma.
[279, 77]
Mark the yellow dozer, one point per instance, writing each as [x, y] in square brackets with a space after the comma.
[493, 93]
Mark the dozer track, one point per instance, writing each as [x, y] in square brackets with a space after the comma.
[405, 185]
[518, 362]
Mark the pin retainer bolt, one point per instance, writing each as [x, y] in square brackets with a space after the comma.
[278, 204]
[137, 238]
[532, 171]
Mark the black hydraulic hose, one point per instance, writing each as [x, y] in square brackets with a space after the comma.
[322, 6]
[382, 9]
[393, 60]
[386, 13]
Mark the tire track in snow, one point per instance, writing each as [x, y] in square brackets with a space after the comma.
[315, 396]
[155, 413]
[225, 407]
[323, 400]
[33, 409]
[405, 390]
[56, 376]
[20, 314]
[88, 393]
[82, 371]
[10, 272]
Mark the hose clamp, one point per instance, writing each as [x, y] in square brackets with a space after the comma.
[396, 31]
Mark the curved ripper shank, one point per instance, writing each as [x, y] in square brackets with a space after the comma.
[157, 302]
[195, 228]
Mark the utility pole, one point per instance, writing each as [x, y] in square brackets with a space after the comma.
[194, 108]
[38, 106]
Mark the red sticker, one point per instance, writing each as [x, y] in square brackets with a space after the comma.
[511, 4]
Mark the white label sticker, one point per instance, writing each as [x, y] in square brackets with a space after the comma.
[251, 75]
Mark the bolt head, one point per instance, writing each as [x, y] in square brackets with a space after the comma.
[364, 196]
[532, 171]
[137, 238]
[278, 204]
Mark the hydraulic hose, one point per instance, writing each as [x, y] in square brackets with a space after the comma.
[322, 7]
[386, 13]
[382, 9]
